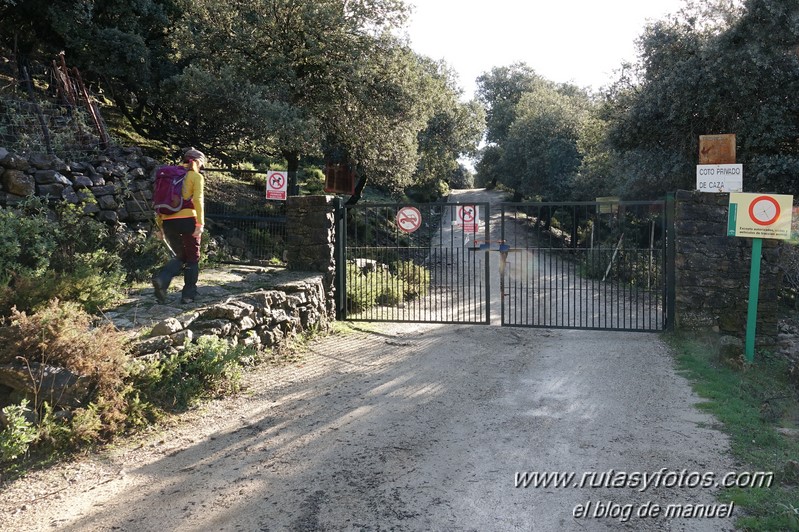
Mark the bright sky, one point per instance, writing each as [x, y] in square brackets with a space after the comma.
[577, 41]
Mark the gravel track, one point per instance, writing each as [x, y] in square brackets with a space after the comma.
[405, 427]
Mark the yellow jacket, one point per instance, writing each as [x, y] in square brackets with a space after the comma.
[193, 188]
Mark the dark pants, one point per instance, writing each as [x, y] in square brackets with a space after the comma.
[179, 236]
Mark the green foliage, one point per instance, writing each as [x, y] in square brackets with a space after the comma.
[312, 181]
[26, 240]
[121, 392]
[429, 192]
[633, 267]
[294, 81]
[537, 127]
[52, 431]
[87, 425]
[389, 291]
[402, 281]
[750, 403]
[18, 434]
[714, 68]
[209, 368]
[453, 128]
[21, 131]
[61, 334]
[67, 257]
[139, 254]
[416, 279]
[358, 298]
[500, 90]
[462, 178]
[94, 281]
[264, 239]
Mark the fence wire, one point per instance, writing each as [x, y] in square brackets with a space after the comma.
[26, 128]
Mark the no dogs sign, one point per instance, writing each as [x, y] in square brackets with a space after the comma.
[276, 185]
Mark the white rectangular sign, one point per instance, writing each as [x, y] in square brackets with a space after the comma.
[719, 177]
[276, 185]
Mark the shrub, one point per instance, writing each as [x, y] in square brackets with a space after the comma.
[416, 278]
[209, 368]
[66, 257]
[628, 266]
[358, 298]
[140, 253]
[18, 433]
[389, 291]
[403, 281]
[93, 281]
[314, 180]
[27, 240]
[61, 335]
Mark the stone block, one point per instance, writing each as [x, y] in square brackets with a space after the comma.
[18, 183]
[106, 216]
[53, 191]
[107, 203]
[166, 327]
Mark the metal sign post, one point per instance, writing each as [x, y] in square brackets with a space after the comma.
[754, 292]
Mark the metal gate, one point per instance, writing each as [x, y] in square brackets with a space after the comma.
[588, 265]
[413, 263]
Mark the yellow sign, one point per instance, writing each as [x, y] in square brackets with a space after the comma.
[607, 204]
[760, 215]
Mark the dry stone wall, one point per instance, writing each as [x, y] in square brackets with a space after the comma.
[264, 318]
[117, 186]
[712, 271]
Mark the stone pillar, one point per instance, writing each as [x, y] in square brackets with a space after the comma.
[311, 230]
[712, 271]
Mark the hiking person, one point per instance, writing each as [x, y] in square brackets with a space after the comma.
[182, 230]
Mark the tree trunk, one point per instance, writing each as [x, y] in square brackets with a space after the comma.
[358, 192]
[293, 164]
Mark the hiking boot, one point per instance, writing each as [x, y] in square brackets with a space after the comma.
[160, 290]
[186, 300]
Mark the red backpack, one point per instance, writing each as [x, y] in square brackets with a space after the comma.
[168, 191]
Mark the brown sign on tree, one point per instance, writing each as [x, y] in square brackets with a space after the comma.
[339, 178]
[717, 149]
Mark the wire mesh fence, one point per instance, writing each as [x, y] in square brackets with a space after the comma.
[45, 127]
[48, 110]
[250, 229]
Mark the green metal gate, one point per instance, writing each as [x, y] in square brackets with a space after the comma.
[413, 263]
[587, 265]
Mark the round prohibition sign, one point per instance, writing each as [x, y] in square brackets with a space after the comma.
[467, 213]
[764, 210]
[277, 181]
[409, 219]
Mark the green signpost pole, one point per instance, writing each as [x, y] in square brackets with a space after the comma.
[754, 287]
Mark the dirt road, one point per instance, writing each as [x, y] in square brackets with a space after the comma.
[413, 427]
